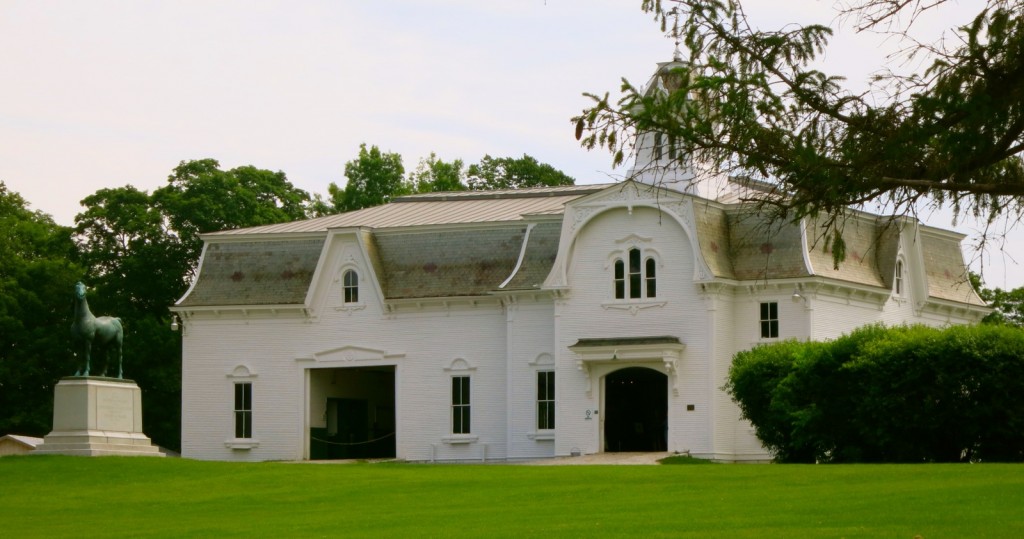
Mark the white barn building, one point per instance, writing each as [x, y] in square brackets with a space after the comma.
[527, 324]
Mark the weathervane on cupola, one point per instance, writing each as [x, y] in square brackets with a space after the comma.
[677, 55]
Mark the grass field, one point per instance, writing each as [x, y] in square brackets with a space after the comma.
[52, 496]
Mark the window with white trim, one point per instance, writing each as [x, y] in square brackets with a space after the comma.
[545, 400]
[770, 320]
[350, 286]
[460, 405]
[243, 410]
[639, 281]
[897, 285]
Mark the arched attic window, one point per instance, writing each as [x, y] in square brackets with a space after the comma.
[640, 281]
[350, 286]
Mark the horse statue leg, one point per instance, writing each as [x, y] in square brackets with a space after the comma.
[120, 370]
[88, 357]
[78, 372]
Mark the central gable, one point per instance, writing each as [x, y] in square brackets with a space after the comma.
[626, 196]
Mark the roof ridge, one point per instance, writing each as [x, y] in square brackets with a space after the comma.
[497, 194]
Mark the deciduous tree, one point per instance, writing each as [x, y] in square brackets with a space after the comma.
[514, 173]
[1008, 304]
[38, 268]
[200, 197]
[374, 178]
[433, 175]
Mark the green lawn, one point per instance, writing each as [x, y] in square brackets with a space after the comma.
[50, 496]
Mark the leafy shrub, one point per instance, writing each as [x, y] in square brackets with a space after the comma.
[902, 394]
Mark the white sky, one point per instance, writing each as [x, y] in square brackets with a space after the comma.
[107, 93]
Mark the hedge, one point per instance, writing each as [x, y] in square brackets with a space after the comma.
[901, 394]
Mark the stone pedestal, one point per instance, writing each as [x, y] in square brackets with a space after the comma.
[94, 416]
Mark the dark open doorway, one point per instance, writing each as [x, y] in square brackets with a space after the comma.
[358, 413]
[635, 410]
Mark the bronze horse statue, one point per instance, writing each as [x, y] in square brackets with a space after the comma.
[88, 329]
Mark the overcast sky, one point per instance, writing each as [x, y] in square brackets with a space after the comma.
[107, 93]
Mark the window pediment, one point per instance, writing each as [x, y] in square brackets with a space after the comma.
[459, 365]
[351, 353]
[544, 359]
[634, 240]
[242, 372]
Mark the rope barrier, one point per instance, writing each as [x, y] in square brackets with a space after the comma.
[352, 443]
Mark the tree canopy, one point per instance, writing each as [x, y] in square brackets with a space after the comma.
[433, 175]
[514, 173]
[751, 102]
[200, 197]
[1008, 305]
[374, 178]
[38, 267]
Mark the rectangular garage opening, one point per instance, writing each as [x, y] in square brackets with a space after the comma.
[352, 413]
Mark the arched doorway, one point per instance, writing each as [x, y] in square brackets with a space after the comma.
[635, 410]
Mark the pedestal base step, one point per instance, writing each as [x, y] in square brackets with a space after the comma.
[95, 444]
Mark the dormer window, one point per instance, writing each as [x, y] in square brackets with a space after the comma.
[639, 281]
[898, 283]
[350, 286]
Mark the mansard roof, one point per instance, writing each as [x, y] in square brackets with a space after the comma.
[944, 267]
[447, 263]
[267, 272]
[469, 244]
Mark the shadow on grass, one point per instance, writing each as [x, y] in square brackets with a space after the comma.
[684, 459]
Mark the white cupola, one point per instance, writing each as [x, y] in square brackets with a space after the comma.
[658, 160]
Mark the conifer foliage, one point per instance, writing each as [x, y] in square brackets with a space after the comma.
[753, 102]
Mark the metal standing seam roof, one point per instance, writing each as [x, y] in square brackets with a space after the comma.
[439, 209]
